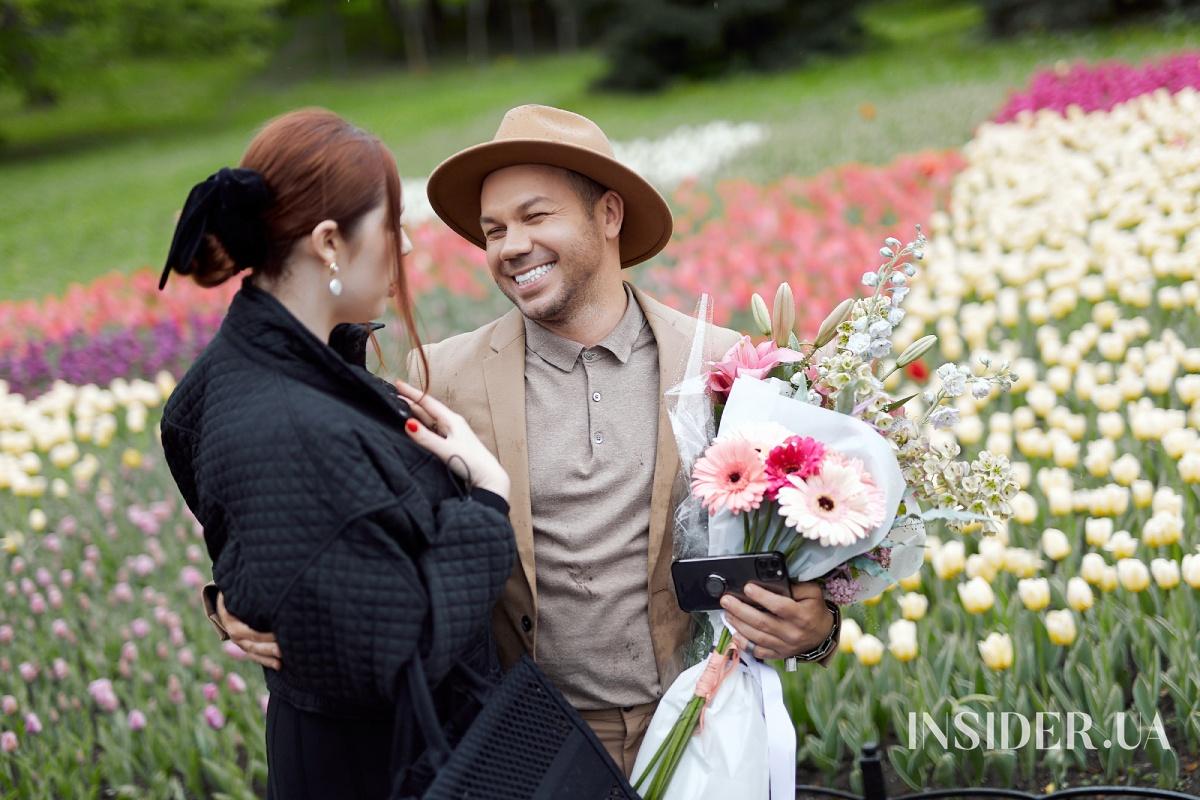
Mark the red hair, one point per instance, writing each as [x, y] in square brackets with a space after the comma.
[318, 166]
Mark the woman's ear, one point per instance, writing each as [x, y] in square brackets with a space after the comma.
[325, 241]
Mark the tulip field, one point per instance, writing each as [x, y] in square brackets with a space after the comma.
[1064, 239]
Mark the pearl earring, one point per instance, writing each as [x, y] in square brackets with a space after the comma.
[335, 283]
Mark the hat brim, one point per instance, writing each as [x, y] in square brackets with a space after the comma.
[454, 189]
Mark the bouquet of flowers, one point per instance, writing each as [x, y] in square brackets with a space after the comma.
[798, 448]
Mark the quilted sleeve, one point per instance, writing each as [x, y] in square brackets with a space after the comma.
[356, 614]
[367, 604]
[464, 569]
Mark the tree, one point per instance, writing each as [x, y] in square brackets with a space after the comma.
[655, 41]
[409, 16]
[48, 45]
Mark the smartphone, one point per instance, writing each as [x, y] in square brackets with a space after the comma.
[700, 582]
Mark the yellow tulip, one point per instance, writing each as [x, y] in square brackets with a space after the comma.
[849, 636]
[1122, 545]
[37, 520]
[976, 595]
[949, 560]
[1111, 425]
[869, 650]
[1189, 467]
[1055, 544]
[12, 542]
[1092, 568]
[1165, 572]
[59, 488]
[914, 605]
[1126, 469]
[1108, 579]
[912, 582]
[1097, 532]
[1133, 575]
[1143, 494]
[1060, 625]
[1079, 595]
[997, 651]
[1191, 570]
[131, 458]
[902, 640]
[1034, 593]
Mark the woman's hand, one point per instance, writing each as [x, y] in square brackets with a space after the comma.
[448, 436]
[260, 647]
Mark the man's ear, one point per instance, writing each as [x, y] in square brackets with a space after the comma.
[612, 213]
[325, 240]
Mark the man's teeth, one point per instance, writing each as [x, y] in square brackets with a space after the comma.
[534, 274]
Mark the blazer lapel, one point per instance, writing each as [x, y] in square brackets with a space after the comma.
[673, 345]
[504, 379]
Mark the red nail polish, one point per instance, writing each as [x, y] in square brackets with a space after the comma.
[412, 426]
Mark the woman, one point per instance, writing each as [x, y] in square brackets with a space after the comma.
[334, 516]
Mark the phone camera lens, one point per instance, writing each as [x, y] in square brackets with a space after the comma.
[714, 585]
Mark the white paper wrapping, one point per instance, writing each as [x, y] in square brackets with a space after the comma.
[753, 401]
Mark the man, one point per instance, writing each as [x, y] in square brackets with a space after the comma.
[567, 391]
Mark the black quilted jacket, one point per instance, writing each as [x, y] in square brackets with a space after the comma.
[325, 523]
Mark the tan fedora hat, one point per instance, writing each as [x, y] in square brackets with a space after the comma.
[544, 135]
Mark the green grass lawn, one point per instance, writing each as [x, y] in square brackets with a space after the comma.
[82, 192]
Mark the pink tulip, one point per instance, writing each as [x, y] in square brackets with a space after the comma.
[9, 704]
[32, 723]
[6, 634]
[52, 543]
[60, 669]
[66, 578]
[129, 652]
[236, 683]
[263, 701]
[210, 691]
[8, 741]
[101, 691]
[55, 597]
[214, 717]
[18, 565]
[28, 672]
[42, 576]
[68, 526]
[175, 690]
[60, 629]
[137, 720]
[122, 593]
[191, 577]
[186, 658]
[140, 628]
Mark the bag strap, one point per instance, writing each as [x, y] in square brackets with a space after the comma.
[422, 706]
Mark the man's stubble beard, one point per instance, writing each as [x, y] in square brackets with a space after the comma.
[575, 293]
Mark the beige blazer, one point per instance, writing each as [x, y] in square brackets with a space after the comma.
[481, 375]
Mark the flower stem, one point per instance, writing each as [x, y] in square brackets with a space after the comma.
[670, 752]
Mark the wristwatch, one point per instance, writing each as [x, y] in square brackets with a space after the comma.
[824, 648]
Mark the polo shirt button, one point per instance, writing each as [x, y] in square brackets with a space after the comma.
[598, 438]
[589, 355]
[526, 624]
[596, 396]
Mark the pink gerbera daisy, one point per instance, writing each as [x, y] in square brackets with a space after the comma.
[730, 476]
[836, 507]
[798, 455]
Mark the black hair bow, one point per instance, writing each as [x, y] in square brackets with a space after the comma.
[229, 205]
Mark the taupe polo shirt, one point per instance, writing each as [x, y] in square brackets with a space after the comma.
[591, 418]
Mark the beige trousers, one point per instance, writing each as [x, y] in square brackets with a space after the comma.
[621, 730]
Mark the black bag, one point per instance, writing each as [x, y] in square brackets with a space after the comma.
[527, 743]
